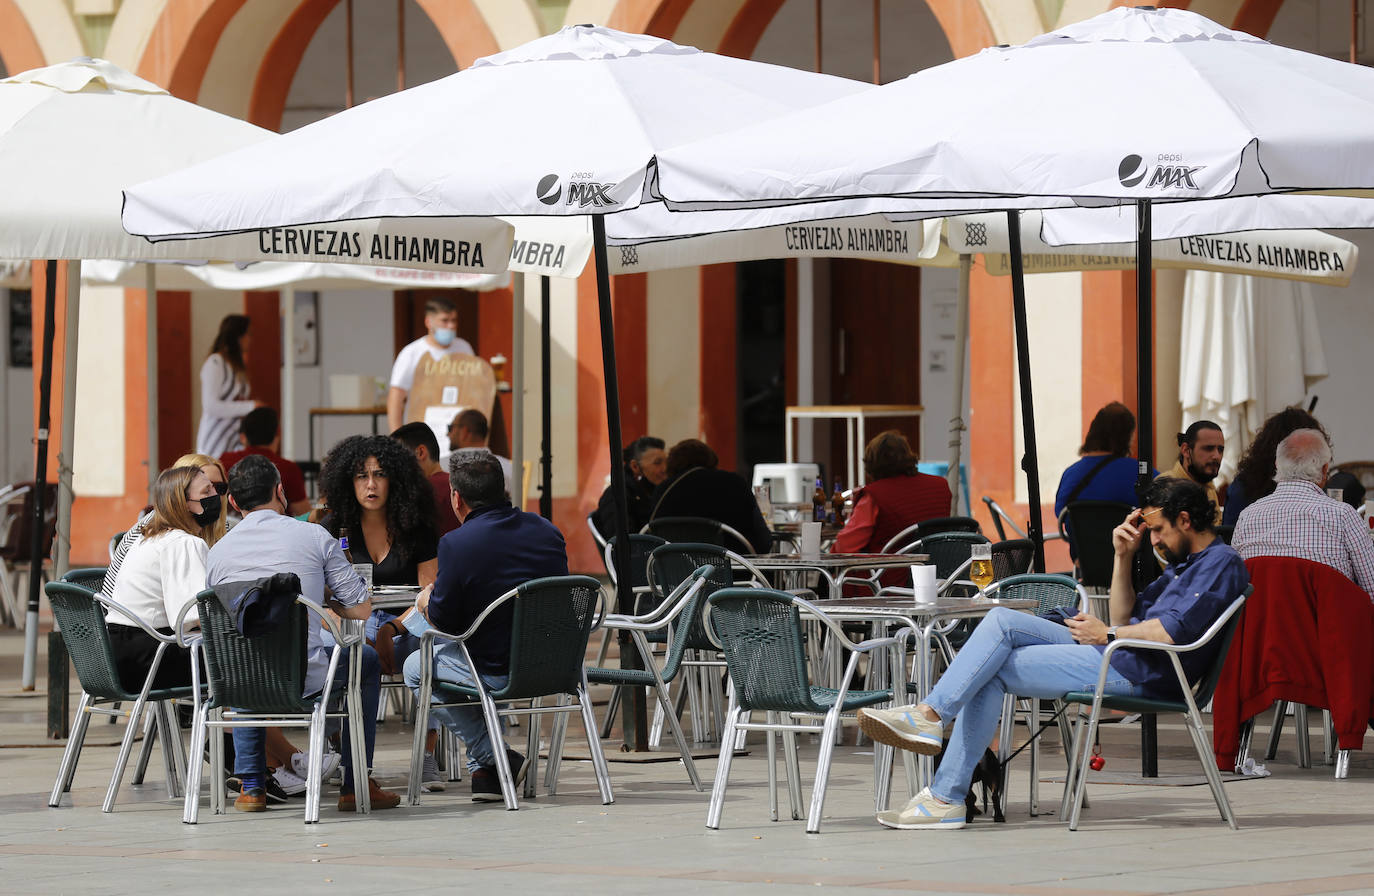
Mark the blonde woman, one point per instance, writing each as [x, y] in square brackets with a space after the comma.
[161, 573]
[215, 472]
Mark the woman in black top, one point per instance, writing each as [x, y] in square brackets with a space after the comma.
[375, 489]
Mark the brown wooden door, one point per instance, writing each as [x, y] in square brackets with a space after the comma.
[875, 347]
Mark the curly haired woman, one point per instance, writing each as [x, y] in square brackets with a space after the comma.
[376, 490]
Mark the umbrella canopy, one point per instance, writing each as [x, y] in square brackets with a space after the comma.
[1137, 103]
[73, 135]
[1308, 255]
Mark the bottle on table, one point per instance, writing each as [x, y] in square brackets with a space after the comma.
[818, 503]
[837, 506]
[364, 570]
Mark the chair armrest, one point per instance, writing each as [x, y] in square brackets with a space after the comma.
[166, 639]
[755, 573]
[872, 644]
[330, 623]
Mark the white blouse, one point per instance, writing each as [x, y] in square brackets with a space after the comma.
[158, 577]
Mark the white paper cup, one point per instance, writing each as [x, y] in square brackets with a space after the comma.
[923, 583]
[810, 538]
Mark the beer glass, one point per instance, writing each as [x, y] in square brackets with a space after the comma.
[980, 570]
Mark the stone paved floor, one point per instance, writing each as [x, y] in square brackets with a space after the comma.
[1301, 832]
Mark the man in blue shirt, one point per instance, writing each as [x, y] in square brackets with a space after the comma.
[1012, 652]
[496, 549]
[268, 541]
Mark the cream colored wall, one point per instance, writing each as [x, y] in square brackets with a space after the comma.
[674, 349]
[53, 28]
[595, 12]
[1054, 312]
[705, 23]
[98, 446]
[512, 22]
[229, 78]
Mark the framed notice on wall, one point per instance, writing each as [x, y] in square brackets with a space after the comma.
[20, 327]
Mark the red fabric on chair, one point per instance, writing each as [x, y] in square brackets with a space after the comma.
[1307, 636]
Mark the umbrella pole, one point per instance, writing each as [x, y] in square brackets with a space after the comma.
[1144, 333]
[150, 368]
[956, 421]
[40, 474]
[546, 401]
[517, 395]
[287, 421]
[1030, 461]
[635, 723]
[1144, 345]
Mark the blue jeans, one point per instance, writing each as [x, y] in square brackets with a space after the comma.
[250, 755]
[1008, 653]
[465, 721]
[403, 644]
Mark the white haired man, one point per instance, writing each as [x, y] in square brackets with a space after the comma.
[1299, 520]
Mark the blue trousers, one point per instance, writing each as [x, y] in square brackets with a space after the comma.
[1008, 653]
[465, 721]
[250, 755]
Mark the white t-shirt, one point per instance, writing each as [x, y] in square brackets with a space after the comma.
[403, 371]
[158, 577]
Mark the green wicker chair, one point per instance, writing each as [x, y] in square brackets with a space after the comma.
[79, 612]
[1222, 631]
[682, 613]
[698, 530]
[552, 619]
[645, 598]
[260, 682]
[760, 631]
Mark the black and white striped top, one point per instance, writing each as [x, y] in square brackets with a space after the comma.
[223, 402]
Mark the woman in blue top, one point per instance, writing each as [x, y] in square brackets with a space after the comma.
[1105, 471]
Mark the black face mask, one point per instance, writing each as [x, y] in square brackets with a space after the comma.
[209, 510]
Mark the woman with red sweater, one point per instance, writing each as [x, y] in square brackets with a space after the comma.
[896, 496]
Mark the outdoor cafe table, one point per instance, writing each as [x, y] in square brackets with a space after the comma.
[394, 598]
[921, 619]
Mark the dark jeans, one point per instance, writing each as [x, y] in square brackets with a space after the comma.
[249, 743]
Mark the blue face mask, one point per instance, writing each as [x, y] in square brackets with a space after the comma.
[444, 336]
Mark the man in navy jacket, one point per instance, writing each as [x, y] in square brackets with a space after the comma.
[496, 549]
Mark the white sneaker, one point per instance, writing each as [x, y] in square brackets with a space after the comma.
[300, 765]
[291, 783]
[431, 781]
[925, 813]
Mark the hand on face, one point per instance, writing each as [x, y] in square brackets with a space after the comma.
[1130, 535]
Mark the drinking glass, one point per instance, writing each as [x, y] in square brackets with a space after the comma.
[980, 570]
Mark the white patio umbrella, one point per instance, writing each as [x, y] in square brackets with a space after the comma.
[1135, 105]
[1251, 346]
[71, 136]
[582, 114]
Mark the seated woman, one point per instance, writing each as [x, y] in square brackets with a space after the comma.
[376, 491]
[1104, 471]
[163, 572]
[695, 487]
[1255, 472]
[896, 496]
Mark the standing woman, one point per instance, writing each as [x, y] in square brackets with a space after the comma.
[162, 573]
[224, 388]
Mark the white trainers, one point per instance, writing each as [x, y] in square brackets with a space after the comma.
[291, 783]
[925, 813]
[903, 728]
[431, 780]
[300, 765]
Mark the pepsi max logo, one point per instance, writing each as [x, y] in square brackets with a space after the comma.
[1133, 169]
[582, 193]
[548, 191]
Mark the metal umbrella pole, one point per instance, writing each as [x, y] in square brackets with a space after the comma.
[40, 474]
[546, 405]
[957, 425]
[1144, 346]
[1030, 460]
[635, 723]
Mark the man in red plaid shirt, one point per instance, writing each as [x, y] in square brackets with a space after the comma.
[1299, 520]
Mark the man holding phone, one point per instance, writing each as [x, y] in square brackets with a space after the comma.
[1012, 652]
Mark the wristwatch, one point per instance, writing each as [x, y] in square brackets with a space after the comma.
[1111, 634]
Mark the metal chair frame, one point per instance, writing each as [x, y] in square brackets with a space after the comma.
[211, 713]
[1075, 787]
[155, 714]
[494, 713]
[706, 522]
[737, 720]
[11, 612]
